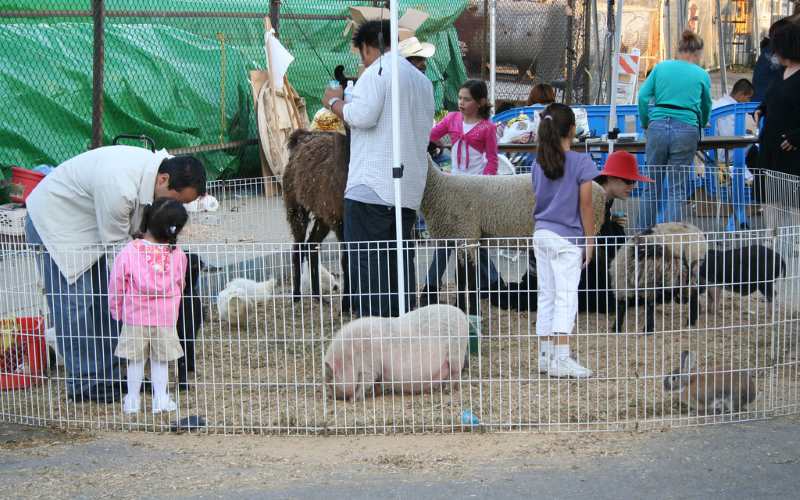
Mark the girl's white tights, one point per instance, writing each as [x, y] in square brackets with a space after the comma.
[135, 377]
[159, 372]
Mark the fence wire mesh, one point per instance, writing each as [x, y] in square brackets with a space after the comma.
[259, 349]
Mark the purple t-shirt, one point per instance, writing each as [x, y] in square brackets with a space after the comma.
[557, 205]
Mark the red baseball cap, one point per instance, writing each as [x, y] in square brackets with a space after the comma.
[623, 165]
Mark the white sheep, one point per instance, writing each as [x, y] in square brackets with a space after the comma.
[659, 265]
[413, 353]
[240, 294]
[476, 207]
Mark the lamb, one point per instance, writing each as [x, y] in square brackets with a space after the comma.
[476, 207]
[656, 266]
[240, 294]
[742, 270]
[413, 353]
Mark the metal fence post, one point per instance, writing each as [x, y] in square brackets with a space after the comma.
[99, 16]
[275, 15]
[568, 88]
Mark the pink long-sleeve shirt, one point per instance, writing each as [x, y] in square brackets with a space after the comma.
[482, 138]
[146, 284]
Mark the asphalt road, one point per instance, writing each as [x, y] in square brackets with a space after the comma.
[747, 460]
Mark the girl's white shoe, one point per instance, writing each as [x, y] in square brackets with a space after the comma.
[131, 404]
[164, 404]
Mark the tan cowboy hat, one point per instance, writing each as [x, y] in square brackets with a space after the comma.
[412, 47]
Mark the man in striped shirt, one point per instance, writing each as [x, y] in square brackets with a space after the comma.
[369, 214]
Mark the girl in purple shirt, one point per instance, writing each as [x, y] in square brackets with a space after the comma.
[562, 238]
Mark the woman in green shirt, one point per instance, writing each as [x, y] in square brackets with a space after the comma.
[681, 90]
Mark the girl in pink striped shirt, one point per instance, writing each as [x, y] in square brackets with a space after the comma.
[471, 131]
[474, 152]
[144, 292]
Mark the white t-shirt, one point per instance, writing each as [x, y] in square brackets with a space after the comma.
[477, 160]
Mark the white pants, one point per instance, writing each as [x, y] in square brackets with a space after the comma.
[558, 270]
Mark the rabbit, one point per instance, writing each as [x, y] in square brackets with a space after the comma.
[714, 393]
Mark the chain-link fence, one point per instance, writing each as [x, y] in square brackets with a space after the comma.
[174, 70]
[536, 42]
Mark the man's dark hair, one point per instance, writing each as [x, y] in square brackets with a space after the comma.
[743, 87]
[184, 172]
[786, 41]
[368, 34]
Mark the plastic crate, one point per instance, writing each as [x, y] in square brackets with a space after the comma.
[12, 219]
[23, 181]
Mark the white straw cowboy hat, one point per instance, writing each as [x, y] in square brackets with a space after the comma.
[412, 47]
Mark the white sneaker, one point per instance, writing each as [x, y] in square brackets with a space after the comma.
[545, 352]
[131, 405]
[544, 360]
[567, 367]
[165, 404]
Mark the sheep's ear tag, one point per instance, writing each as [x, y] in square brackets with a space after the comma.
[397, 172]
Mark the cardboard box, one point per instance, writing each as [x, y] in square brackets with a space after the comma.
[408, 24]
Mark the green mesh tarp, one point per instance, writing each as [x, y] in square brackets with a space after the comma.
[176, 71]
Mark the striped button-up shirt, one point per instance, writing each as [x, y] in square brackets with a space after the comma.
[369, 116]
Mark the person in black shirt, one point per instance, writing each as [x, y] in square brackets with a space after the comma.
[779, 148]
[767, 69]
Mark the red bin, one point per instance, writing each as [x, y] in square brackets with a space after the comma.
[24, 181]
[30, 346]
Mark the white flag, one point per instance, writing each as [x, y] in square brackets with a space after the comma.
[280, 57]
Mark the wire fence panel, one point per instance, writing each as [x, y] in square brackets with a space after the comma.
[678, 327]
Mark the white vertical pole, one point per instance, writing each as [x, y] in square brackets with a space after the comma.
[492, 51]
[396, 167]
[612, 116]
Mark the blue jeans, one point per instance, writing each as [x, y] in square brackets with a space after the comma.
[487, 273]
[671, 145]
[85, 332]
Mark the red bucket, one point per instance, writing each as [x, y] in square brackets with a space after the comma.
[23, 181]
[23, 363]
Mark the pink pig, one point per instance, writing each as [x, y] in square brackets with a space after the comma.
[413, 353]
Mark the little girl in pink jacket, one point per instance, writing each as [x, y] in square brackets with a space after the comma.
[144, 292]
[472, 133]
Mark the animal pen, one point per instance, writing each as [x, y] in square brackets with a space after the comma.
[260, 354]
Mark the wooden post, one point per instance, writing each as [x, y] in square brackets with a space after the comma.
[99, 15]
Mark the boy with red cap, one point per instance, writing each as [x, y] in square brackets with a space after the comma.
[618, 178]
